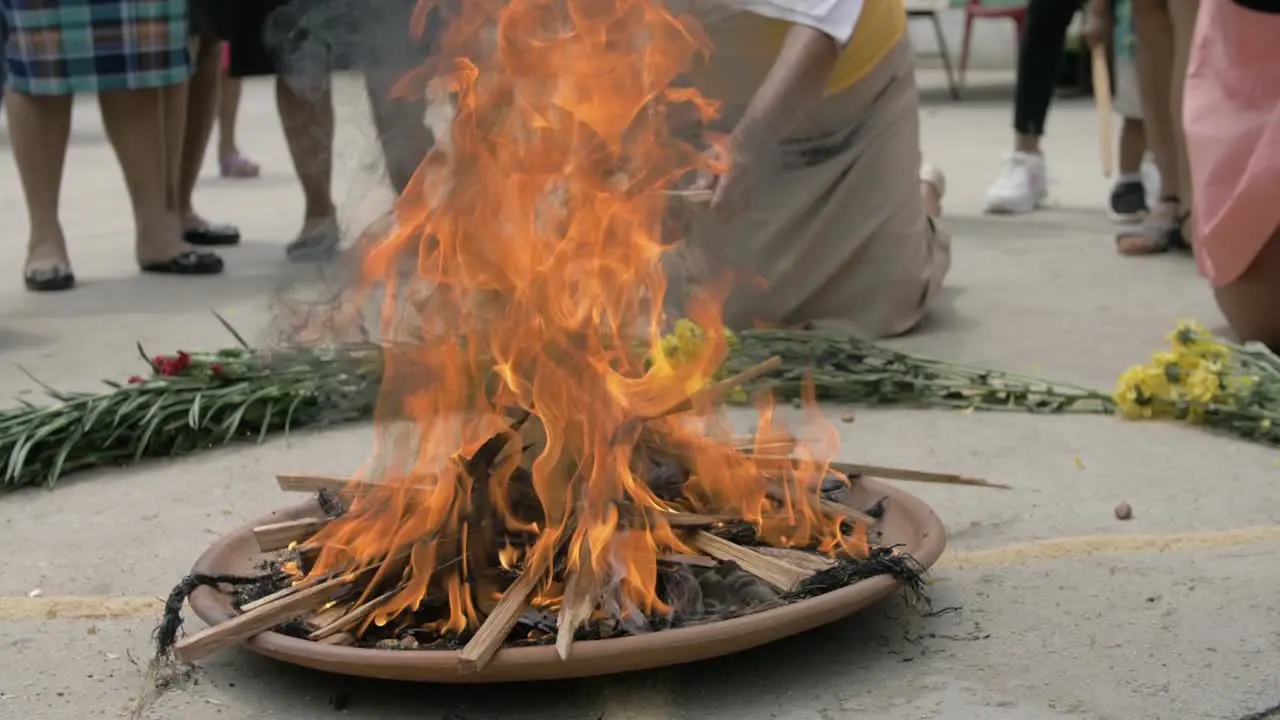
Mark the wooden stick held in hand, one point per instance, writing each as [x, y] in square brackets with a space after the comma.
[1102, 100]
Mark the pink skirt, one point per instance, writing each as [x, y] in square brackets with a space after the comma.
[1231, 115]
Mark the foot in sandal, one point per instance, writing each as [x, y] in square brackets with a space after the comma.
[162, 250]
[317, 242]
[48, 268]
[236, 165]
[1160, 231]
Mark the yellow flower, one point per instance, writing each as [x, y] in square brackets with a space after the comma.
[1142, 391]
[1203, 384]
[686, 342]
[1191, 338]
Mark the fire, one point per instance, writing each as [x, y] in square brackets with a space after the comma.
[525, 394]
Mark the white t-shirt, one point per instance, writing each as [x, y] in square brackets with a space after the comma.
[836, 18]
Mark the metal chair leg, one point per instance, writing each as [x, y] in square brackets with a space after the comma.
[946, 57]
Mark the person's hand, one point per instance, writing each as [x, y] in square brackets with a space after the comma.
[1097, 24]
[727, 178]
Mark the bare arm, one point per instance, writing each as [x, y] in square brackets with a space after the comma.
[792, 87]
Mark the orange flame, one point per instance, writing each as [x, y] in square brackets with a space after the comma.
[536, 226]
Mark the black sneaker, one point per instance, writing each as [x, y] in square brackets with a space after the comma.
[1128, 202]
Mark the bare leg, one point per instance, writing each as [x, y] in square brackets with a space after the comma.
[403, 137]
[1251, 304]
[230, 162]
[228, 108]
[1182, 15]
[202, 105]
[1025, 143]
[40, 127]
[146, 130]
[1154, 35]
[1154, 30]
[1133, 145]
[308, 129]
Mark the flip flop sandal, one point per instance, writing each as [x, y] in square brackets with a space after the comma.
[1158, 233]
[315, 245]
[187, 263]
[50, 279]
[212, 235]
[239, 167]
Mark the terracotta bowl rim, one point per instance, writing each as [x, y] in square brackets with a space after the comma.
[519, 663]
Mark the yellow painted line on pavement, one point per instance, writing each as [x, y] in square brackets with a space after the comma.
[77, 607]
[90, 607]
[1087, 546]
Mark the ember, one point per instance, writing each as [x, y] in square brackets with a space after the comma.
[561, 476]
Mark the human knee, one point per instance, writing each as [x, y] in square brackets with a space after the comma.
[1252, 323]
[1251, 303]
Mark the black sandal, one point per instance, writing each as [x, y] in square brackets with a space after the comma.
[212, 235]
[49, 279]
[187, 263]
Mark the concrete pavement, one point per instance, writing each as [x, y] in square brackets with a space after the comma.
[1062, 611]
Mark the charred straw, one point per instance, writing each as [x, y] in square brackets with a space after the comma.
[881, 561]
[330, 504]
[166, 633]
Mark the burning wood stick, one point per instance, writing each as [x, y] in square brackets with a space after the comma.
[853, 470]
[769, 447]
[891, 473]
[325, 616]
[830, 509]
[353, 617]
[343, 486]
[497, 626]
[690, 560]
[260, 619]
[278, 536]
[575, 608]
[305, 584]
[772, 571]
[721, 388]
[692, 520]
[691, 195]
[798, 558]
[339, 639]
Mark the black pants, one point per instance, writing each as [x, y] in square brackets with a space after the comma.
[1040, 62]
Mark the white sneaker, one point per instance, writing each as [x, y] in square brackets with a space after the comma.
[1022, 186]
[1151, 180]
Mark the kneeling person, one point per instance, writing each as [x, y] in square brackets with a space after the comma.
[825, 215]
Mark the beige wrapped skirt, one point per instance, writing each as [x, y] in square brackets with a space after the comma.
[836, 236]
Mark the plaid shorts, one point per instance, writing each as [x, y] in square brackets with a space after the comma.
[60, 47]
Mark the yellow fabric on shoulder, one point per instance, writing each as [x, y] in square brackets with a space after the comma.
[879, 28]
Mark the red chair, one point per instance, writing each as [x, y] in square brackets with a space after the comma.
[976, 10]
